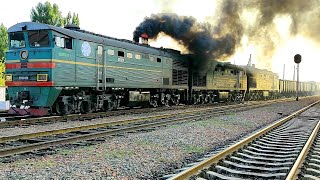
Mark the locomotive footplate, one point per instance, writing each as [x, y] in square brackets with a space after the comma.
[29, 111]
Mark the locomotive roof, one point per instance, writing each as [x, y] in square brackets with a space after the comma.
[228, 65]
[93, 37]
[253, 69]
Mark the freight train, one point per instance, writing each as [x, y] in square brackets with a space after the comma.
[54, 70]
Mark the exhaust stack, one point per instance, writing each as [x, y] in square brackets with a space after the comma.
[144, 38]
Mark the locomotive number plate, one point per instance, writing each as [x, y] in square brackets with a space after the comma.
[120, 59]
[23, 77]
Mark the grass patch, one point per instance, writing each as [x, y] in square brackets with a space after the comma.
[208, 122]
[45, 164]
[194, 149]
[67, 152]
[174, 126]
[144, 142]
[118, 154]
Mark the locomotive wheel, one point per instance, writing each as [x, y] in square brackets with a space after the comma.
[154, 103]
[86, 107]
[63, 109]
[58, 108]
[166, 102]
[196, 99]
[66, 109]
[175, 101]
[112, 105]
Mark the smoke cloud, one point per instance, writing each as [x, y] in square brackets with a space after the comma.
[219, 40]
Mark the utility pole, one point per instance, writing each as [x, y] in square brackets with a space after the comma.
[249, 62]
[294, 72]
[297, 60]
[284, 69]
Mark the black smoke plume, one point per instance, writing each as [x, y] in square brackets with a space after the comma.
[218, 41]
[202, 40]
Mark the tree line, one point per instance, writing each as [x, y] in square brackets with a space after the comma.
[42, 13]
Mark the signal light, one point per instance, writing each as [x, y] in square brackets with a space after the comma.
[42, 77]
[8, 77]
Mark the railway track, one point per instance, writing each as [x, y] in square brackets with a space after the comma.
[276, 152]
[311, 166]
[11, 121]
[23, 143]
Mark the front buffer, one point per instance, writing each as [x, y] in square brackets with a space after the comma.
[35, 101]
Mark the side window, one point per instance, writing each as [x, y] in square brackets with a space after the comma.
[138, 56]
[63, 42]
[152, 58]
[68, 42]
[167, 61]
[59, 42]
[111, 52]
[129, 55]
[146, 56]
[100, 50]
[158, 60]
[120, 53]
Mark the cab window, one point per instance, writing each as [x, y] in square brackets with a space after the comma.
[63, 42]
[60, 41]
[17, 40]
[38, 39]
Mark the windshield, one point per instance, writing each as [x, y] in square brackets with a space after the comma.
[17, 40]
[38, 39]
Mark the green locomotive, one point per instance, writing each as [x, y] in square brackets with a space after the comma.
[68, 70]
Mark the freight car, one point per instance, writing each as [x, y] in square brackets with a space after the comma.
[68, 70]
[287, 88]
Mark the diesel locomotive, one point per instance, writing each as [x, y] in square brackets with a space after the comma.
[54, 70]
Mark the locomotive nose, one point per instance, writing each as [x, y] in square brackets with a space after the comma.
[23, 95]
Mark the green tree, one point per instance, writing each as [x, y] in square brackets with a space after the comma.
[47, 13]
[72, 19]
[75, 19]
[3, 41]
[3, 49]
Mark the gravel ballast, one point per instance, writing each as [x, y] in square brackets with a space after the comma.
[147, 154]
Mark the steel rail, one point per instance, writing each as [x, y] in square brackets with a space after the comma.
[121, 122]
[293, 174]
[48, 144]
[71, 117]
[215, 159]
[43, 145]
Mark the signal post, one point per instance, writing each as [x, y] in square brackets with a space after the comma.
[297, 60]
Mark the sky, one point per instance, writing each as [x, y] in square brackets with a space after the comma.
[120, 18]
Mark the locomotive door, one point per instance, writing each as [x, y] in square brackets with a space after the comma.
[100, 63]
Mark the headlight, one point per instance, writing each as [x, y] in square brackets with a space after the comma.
[24, 55]
[8, 77]
[42, 77]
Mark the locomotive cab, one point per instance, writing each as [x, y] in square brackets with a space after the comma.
[29, 69]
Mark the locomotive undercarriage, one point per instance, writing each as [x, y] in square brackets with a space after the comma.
[89, 100]
[204, 97]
